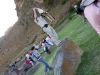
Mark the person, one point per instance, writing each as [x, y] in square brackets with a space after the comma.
[37, 47]
[29, 57]
[80, 11]
[27, 64]
[46, 47]
[92, 13]
[49, 40]
[37, 57]
[13, 65]
[17, 60]
[38, 19]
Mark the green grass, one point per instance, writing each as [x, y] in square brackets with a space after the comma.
[69, 17]
[88, 40]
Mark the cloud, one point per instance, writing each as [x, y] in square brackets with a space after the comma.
[8, 15]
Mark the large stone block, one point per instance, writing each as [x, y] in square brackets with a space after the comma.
[67, 58]
[33, 69]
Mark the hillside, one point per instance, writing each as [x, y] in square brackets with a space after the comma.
[21, 33]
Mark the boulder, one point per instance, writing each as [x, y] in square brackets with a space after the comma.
[67, 58]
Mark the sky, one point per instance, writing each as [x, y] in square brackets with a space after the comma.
[8, 15]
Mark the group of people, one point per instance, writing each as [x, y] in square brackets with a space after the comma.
[35, 54]
[91, 11]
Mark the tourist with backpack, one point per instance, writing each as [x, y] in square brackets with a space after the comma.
[37, 57]
[92, 13]
[38, 19]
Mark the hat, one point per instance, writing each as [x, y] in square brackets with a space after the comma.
[86, 2]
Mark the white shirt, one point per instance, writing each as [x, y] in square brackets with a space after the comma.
[27, 55]
[41, 21]
[39, 10]
[49, 40]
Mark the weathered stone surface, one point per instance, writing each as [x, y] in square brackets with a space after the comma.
[67, 58]
[14, 73]
[33, 39]
[52, 48]
[33, 69]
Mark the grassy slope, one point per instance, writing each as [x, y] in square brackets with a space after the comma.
[88, 40]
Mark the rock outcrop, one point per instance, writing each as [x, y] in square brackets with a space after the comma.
[67, 58]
